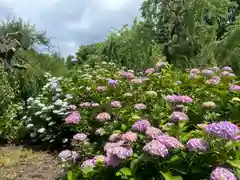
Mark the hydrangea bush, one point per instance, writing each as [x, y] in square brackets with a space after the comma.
[154, 124]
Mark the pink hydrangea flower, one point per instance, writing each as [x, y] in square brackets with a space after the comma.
[155, 148]
[150, 71]
[102, 117]
[73, 118]
[114, 137]
[129, 136]
[85, 105]
[169, 141]
[153, 132]
[179, 99]
[116, 104]
[140, 106]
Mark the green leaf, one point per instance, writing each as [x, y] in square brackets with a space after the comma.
[124, 127]
[87, 169]
[235, 163]
[126, 171]
[136, 117]
[168, 176]
[70, 175]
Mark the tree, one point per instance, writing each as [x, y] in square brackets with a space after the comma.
[190, 29]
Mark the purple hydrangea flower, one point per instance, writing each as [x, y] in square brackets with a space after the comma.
[179, 99]
[178, 116]
[112, 160]
[155, 148]
[112, 145]
[207, 72]
[235, 88]
[153, 132]
[88, 162]
[222, 129]
[140, 106]
[141, 125]
[112, 82]
[127, 75]
[227, 68]
[121, 152]
[68, 155]
[213, 81]
[169, 141]
[220, 173]
[197, 144]
[80, 137]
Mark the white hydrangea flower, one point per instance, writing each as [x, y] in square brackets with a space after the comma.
[65, 140]
[41, 130]
[55, 111]
[48, 118]
[58, 102]
[33, 135]
[45, 109]
[41, 105]
[38, 113]
[88, 88]
[30, 125]
[50, 107]
[69, 96]
[51, 123]
[30, 100]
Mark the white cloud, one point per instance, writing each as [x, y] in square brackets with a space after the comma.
[75, 23]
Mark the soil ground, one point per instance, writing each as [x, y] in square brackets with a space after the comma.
[19, 163]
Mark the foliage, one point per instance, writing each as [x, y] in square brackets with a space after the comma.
[9, 110]
[114, 103]
[194, 32]
[29, 37]
[18, 85]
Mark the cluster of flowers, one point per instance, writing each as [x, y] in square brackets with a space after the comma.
[119, 146]
[214, 76]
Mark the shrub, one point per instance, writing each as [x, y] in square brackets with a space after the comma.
[150, 124]
[9, 110]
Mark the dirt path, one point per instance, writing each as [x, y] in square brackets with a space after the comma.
[18, 163]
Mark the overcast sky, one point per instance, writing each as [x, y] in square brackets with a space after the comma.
[73, 22]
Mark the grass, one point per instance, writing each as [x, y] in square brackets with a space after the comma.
[19, 163]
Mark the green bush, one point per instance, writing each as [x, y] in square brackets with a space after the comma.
[9, 110]
[96, 107]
